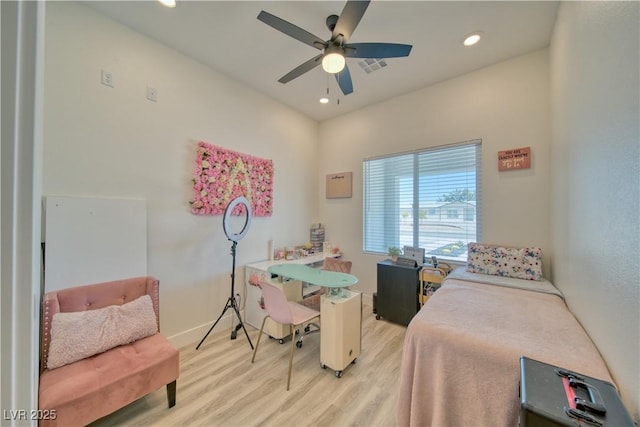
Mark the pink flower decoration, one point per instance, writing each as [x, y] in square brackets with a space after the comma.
[221, 175]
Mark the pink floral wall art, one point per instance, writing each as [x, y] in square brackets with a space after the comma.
[221, 175]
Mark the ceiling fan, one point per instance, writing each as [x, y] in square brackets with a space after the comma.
[336, 48]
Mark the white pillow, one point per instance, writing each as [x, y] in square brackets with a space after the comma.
[78, 335]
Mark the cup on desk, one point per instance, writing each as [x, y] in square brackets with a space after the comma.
[326, 247]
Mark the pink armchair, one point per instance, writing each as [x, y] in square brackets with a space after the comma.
[85, 390]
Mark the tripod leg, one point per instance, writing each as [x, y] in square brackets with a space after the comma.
[234, 331]
[242, 325]
[229, 304]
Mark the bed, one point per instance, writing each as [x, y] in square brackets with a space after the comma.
[460, 363]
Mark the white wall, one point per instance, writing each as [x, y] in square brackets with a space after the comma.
[107, 142]
[505, 105]
[113, 142]
[21, 155]
[596, 178]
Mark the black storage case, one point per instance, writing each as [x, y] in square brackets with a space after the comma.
[544, 400]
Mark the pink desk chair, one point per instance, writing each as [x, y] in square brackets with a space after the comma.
[284, 312]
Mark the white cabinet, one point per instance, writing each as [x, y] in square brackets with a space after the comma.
[340, 330]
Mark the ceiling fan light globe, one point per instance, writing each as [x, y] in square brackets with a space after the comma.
[333, 62]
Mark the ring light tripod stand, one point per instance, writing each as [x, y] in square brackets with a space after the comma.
[234, 237]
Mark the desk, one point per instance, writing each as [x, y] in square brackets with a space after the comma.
[294, 289]
[340, 313]
[327, 279]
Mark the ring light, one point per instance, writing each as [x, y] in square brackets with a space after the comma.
[234, 237]
[226, 224]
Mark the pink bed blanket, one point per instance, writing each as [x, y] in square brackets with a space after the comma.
[460, 363]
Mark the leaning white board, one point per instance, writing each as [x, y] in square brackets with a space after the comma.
[91, 240]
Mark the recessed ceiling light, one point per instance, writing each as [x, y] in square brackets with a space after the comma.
[324, 100]
[472, 38]
[168, 3]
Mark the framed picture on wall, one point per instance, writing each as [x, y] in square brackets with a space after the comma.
[516, 158]
[339, 185]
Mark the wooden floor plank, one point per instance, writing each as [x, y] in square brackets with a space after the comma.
[219, 386]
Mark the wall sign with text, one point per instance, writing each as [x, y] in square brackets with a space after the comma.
[517, 158]
[339, 185]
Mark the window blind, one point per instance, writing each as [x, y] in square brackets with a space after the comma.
[428, 198]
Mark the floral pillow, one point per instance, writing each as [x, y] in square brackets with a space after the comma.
[519, 263]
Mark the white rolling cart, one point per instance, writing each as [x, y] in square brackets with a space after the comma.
[340, 313]
[340, 329]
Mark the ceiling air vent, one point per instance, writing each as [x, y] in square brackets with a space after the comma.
[370, 65]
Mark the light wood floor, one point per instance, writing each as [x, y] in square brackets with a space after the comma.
[218, 385]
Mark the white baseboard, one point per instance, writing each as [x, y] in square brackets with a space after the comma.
[193, 336]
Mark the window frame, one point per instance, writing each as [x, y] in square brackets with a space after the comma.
[416, 208]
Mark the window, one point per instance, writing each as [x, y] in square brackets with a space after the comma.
[428, 199]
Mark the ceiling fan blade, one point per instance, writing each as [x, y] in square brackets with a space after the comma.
[349, 19]
[376, 50]
[301, 69]
[344, 80]
[291, 30]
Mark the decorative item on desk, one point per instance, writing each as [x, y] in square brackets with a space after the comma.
[317, 237]
[407, 262]
[415, 253]
[326, 248]
[394, 252]
[290, 253]
[308, 247]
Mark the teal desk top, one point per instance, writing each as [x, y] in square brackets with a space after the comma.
[315, 276]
